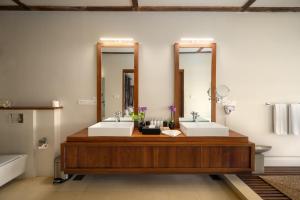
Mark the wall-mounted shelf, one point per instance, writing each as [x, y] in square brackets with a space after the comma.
[32, 108]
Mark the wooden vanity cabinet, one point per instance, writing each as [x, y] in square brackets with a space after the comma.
[157, 154]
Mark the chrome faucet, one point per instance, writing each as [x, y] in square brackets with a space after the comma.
[118, 116]
[195, 116]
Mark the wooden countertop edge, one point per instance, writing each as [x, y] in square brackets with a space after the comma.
[236, 138]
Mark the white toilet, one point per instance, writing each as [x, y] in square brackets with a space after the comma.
[11, 166]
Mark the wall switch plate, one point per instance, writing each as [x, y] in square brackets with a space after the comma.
[87, 101]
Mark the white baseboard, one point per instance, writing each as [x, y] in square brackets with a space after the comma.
[291, 161]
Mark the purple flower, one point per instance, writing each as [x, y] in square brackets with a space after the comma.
[142, 108]
[172, 108]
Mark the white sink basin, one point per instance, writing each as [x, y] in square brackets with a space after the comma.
[203, 129]
[111, 129]
[122, 119]
[186, 119]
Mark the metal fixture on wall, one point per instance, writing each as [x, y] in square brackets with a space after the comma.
[43, 143]
[229, 107]
[16, 118]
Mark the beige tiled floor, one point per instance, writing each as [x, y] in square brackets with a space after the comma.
[120, 187]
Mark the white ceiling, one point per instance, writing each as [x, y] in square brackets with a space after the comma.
[277, 3]
[78, 2]
[239, 3]
[191, 2]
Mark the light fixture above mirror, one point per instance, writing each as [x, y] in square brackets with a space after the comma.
[188, 40]
[118, 41]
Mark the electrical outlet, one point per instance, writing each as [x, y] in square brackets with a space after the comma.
[87, 101]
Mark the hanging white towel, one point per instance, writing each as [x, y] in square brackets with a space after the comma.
[280, 117]
[294, 119]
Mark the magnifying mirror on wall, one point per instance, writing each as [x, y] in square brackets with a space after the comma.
[222, 91]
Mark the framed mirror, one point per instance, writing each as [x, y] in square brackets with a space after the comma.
[117, 80]
[195, 81]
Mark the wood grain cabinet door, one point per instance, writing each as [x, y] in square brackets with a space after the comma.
[132, 157]
[103, 156]
[95, 156]
[226, 157]
[69, 156]
[99, 156]
[202, 157]
[177, 156]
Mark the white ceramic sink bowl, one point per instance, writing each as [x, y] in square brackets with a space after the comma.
[122, 119]
[111, 129]
[203, 129]
[186, 119]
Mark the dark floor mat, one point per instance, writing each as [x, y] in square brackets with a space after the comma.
[78, 177]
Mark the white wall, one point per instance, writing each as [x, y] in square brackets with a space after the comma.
[51, 55]
[113, 65]
[22, 138]
[197, 80]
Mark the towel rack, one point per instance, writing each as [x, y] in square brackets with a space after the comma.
[272, 104]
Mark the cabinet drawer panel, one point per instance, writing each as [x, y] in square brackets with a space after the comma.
[71, 155]
[177, 157]
[225, 157]
[94, 156]
[132, 157]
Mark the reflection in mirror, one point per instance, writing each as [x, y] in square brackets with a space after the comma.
[222, 91]
[128, 89]
[195, 69]
[117, 83]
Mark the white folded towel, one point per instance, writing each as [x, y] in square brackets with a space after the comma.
[294, 119]
[280, 117]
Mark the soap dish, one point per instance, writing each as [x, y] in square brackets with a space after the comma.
[172, 133]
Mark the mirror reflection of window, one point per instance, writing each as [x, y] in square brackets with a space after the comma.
[117, 81]
[128, 90]
[195, 80]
